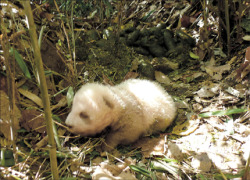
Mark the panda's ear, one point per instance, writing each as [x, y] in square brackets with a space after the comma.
[108, 103]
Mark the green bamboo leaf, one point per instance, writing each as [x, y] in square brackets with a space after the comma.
[223, 112]
[168, 160]
[140, 170]
[147, 16]
[70, 95]
[194, 56]
[234, 111]
[21, 62]
[229, 176]
[164, 166]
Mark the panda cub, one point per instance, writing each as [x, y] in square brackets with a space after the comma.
[131, 109]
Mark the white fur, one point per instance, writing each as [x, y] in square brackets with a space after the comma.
[132, 109]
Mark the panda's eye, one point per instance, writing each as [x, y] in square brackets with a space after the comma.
[84, 115]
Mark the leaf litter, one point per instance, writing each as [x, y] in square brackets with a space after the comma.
[210, 138]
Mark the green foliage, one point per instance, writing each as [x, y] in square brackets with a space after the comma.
[229, 176]
[84, 8]
[246, 24]
[148, 15]
[108, 8]
[193, 56]
[69, 178]
[201, 177]
[222, 113]
[7, 158]
[81, 8]
[20, 62]
[94, 154]
[166, 166]
[141, 170]
[70, 95]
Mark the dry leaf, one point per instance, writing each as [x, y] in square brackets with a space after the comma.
[62, 102]
[216, 71]
[187, 128]
[33, 120]
[112, 171]
[106, 80]
[5, 118]
[31, 96]
[3, 82]
[244, 68]
[130, 75]
[162, 78]
[5, 142]
[201, 162]
[151, 146]
[41, 143]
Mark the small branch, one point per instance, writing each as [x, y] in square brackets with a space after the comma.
[43, 87]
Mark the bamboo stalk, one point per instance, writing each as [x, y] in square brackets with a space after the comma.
[10, 73]
[43, 87]
[205, 12]
[228, 27]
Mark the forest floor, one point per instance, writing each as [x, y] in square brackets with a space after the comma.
[163, 42]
